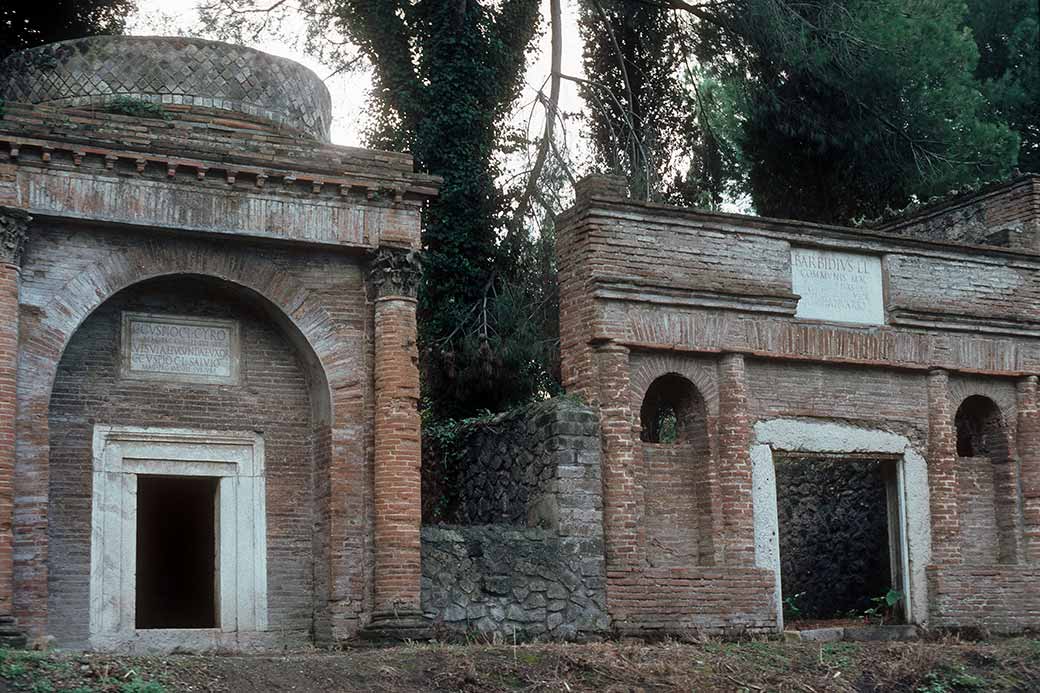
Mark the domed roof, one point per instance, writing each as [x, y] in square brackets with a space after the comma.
[174, 71]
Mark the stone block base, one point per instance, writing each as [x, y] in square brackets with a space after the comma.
[11, 636]
[397, 626]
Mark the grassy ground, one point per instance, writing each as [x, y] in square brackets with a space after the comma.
[747, 667]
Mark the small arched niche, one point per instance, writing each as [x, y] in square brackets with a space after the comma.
[677, 460]
[987, 480]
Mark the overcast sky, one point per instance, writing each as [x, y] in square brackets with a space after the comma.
[349, 90]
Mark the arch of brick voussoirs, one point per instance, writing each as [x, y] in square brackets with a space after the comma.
[45, 338]
[645, 370]
[1004, 398]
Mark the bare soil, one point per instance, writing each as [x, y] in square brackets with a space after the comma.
[943, 666]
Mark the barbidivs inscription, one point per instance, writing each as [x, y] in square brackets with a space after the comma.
[179, 348]
[837, 286]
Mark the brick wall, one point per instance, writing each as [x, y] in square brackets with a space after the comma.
[1001, 599]
[648, 290]
[317, 303]
[272, 397]
[1004, 214]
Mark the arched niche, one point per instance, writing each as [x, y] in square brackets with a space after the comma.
[261, 426]
[677, 473]
[987, 479]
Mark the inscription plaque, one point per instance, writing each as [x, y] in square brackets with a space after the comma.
[837, 286]
[179, 348]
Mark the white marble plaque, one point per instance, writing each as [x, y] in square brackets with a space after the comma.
[837, 286]
[179, 348]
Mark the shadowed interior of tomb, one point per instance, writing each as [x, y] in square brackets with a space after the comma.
[176, 552]
[834, 536]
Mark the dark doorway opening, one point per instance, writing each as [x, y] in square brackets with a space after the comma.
[176, 552]
[839, 539]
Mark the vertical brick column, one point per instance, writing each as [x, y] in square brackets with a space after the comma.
[734, 464]
[397, 615]
[622, 491]
[1028, 441]
[942, 471]
[14, 226]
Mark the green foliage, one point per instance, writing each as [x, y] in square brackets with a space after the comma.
[839, 655]
[444, 443]
[28, 24]
[948, 679]
[125, 105]
[1007, 33]
[636, 106]
[884, 607]
[792, 611]
[853, 106]
[138, 685]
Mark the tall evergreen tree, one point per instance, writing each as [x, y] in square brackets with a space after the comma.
[27, 23]
[446, 75]
[1007, 33]
[829, 110]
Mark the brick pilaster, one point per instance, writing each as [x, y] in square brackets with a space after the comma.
[14, 226]
[942, 470]
[1028, 441]
[734, 464]
[398, 507]
[622, 489]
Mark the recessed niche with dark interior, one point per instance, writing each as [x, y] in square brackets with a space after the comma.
[176, 552]
[677, 465]
[988, 487]
[839, 535]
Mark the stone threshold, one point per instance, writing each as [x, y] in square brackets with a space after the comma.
[855, 634]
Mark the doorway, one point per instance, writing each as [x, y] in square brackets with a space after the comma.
[839, 539]
[176, 581]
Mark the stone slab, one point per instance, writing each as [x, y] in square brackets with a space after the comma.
[881, 633]
[179, 348]
[837, 286]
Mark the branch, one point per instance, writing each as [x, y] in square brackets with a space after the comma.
[552, 105]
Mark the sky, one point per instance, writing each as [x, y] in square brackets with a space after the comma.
[349, 91]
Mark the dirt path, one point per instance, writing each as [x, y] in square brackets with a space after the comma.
[923, 667]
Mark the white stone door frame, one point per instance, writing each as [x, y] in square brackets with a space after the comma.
[784, 437]
[121, 453]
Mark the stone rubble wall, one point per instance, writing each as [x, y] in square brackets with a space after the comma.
[511, 582]
[535, 466]
[528, 562]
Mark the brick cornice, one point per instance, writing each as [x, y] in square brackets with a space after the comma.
[395, 272]
[14, 229]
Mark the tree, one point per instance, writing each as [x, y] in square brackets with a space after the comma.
[855, 106]
[1007, 33]
[829, 110]
[639, 118]
[446, 75]
[25, 24]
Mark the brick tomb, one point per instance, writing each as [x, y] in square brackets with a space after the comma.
[208, 379]
[720, 349]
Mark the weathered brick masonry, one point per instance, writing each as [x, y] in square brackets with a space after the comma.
[231, 219]
[928, 359]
